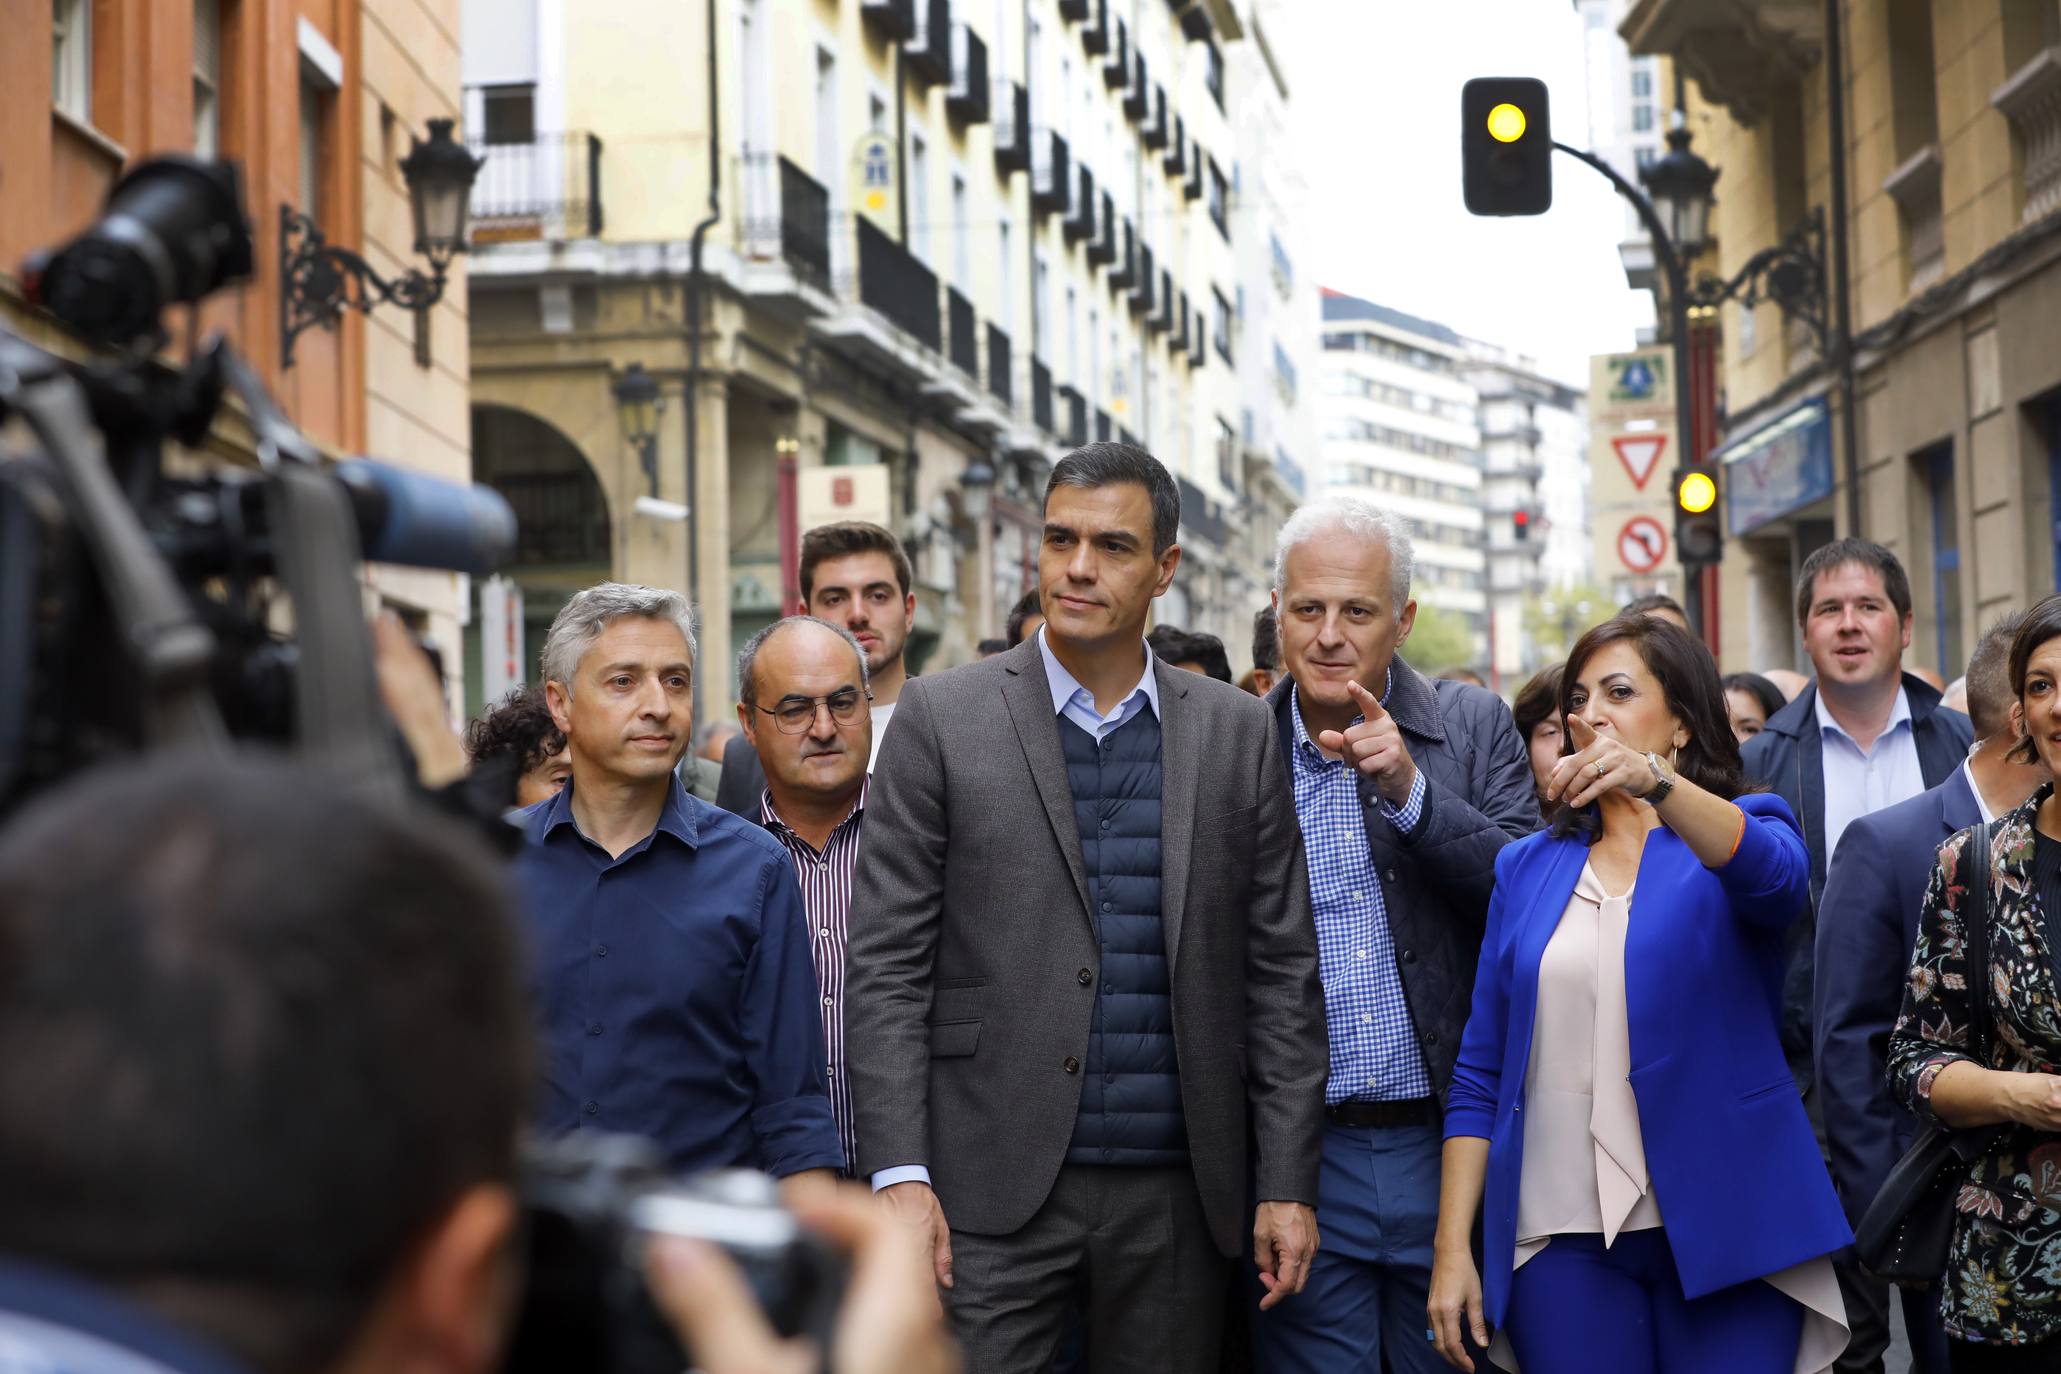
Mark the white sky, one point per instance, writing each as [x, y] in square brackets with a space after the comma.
[1375, 90]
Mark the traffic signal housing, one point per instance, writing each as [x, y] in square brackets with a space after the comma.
[1699, 536]
[1520, 524]
[1506, 146]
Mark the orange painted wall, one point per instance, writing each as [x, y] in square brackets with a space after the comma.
[54, 174]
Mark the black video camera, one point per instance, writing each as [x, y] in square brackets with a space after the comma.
[142, 609]
[590, 1204]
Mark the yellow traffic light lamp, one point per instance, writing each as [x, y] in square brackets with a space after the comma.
[1699, 533]
[1506, 146]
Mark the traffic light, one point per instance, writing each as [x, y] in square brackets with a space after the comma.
[1699, 537]
[1506, 146]
[1520, 524]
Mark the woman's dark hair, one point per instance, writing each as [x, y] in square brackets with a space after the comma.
[1537, 700]
[1688, 678]
[2042, 623]
[518, 726]
[1760, 689]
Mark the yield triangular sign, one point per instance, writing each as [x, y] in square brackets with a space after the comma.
[1640, 454]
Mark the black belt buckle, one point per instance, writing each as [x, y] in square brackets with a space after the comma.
[1410, 1111]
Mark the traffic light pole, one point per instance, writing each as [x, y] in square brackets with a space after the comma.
[1677, 275]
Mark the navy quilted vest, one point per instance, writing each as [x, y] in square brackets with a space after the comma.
[1131, 1093]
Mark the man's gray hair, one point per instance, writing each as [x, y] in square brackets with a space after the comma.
[748, 656]
[1355, 519]
[590, 612]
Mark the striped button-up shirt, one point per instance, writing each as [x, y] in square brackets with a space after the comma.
[826, 884]
[1374, 1051]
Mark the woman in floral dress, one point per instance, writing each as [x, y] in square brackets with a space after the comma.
[2001, 1294]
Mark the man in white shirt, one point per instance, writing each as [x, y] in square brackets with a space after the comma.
[856, 576]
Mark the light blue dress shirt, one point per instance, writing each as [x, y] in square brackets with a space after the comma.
[1374, 1051]
[1860, 782]
[1077, 704]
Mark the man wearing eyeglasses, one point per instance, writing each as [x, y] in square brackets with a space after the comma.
[805, 695]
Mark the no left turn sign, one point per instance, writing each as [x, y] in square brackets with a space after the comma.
[1642, 544]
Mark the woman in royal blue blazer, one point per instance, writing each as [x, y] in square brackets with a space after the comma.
[1652, 1199]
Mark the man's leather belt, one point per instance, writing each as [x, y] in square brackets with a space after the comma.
[1413, 1111]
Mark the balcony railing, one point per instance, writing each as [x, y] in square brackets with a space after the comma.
[962, 333]
[1012, 127]
[546, 189]
[968, 100]
[892, 282]
[1117, 69]
[1141, 290]
[1080, 210]
[1073, 417]
[2031, 100]
[1138, 92]
[928, 53]
[1192, 187]
[1051, 173]
[1123, 272]
[894, 20]
[1102, 250]
[1154, 134]
[1000, 367]
[1041, 395]
[1095, 37]
[1162, 318]
[786, 216]
[1176, 162]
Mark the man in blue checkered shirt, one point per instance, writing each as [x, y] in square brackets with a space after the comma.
[1406, 788]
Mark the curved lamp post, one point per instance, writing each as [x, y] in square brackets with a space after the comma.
[319, 280]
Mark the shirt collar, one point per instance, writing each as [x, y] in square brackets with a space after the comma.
[676, 819]
[769, 815]
[1899, 714]
[1065, 686]
[1302, 732]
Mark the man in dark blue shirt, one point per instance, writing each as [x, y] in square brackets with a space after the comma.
[672, 967]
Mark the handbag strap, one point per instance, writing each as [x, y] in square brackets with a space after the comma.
[1975, 858]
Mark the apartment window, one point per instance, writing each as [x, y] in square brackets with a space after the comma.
[207, 78]
[876, 113]
[1213, 73]
[71, 58]
[828, 144]
[1092, 381]
[1222, 320]
[314, 100]
[508, 114]
[919, 197]
[1642, 119]
[1642, 82]
[1041, 307]
[1642, 158]
[1227, 454]
[1004, 267]
[1219, 198]
[1936, 469]
[1073, 334]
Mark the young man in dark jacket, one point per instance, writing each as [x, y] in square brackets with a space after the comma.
[1863, 736]
[1405, 789]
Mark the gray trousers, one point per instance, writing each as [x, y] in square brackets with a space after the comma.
[1127, 1247]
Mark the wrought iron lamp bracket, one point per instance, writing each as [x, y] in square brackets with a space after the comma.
[319, 281]
[1791, 274]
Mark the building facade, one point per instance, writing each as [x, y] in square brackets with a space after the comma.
[1955, 295]
[318, 103]
[927, 245]
[1535, 483]
[1629, 100]
[1401, 428]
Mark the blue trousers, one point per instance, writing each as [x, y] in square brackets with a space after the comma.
[1363, 1310]
[1577, 1308]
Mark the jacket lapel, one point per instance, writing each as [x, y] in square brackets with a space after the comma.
[1181, 742]
[1029, 700]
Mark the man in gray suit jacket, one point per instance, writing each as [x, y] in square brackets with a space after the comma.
[1083, 970]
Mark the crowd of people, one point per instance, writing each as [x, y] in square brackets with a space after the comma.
[1341, 1017]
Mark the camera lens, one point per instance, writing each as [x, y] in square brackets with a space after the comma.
[173, 230]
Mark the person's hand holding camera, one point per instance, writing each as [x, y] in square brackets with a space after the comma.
[890, 1322]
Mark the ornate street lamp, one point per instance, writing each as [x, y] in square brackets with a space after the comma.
[977, 491]
[318, 280]
[639, 405]
[1680, 185]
